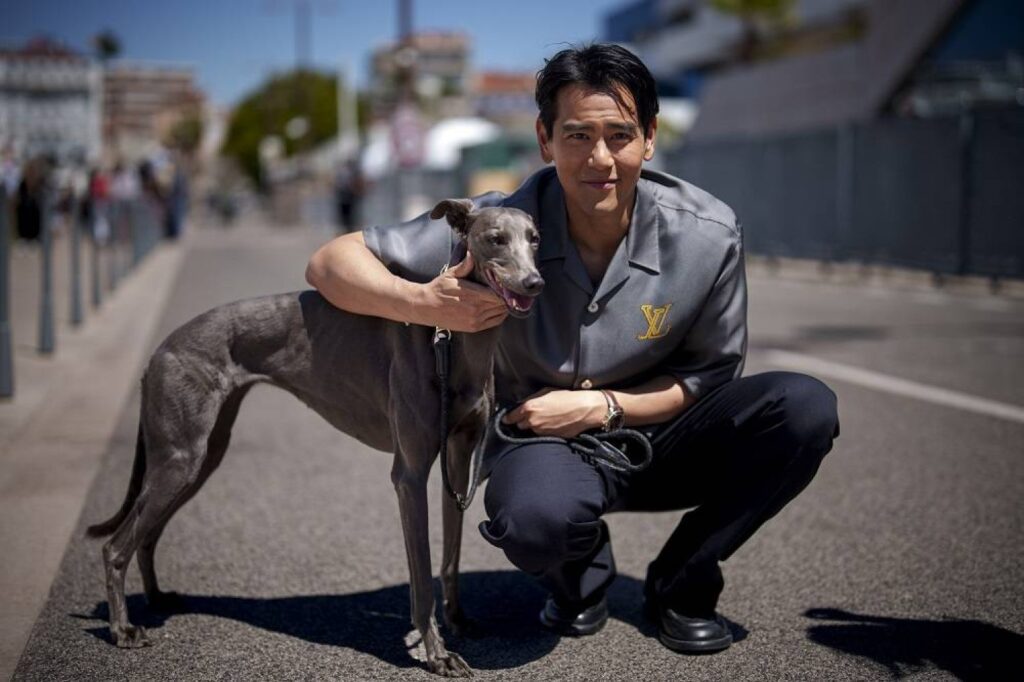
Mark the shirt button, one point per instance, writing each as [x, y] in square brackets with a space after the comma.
[593, 307]
[587, 384]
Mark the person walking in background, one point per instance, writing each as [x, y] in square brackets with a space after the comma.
[31, 189]
[348, 193]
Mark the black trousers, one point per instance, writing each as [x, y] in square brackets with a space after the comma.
[736, 457]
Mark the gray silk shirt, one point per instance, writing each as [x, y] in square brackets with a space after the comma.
[672, 301]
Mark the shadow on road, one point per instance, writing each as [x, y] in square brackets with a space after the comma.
[503, 604]
[968, 649]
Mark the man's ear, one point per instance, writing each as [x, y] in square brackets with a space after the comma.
[649, 140]
[543, 142]
[459, 213]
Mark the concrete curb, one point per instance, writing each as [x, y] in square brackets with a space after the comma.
[51, 452]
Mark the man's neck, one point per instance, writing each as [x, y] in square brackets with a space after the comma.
[601, 234]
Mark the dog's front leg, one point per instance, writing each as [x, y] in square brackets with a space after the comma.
[411, 486]
[461, 444]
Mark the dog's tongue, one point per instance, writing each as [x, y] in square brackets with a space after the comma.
[520, 301]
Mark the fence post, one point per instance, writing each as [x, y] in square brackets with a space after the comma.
[46, 330]
[6, 357]
[94, 256]
[966, 138]
[75, 225]
[113, 244]
[845, 161]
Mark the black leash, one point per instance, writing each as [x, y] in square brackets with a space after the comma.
[443, 362]
[592, 447]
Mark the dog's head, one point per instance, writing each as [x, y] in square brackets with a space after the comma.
[504, 244]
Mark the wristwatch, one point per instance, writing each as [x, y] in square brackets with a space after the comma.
[615, 417]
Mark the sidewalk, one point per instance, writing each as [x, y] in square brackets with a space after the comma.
[64, 410]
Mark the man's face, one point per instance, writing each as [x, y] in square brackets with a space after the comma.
[598, 148]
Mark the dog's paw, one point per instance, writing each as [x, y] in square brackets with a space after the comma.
[450, 665]
[130, 637]
[167, 602]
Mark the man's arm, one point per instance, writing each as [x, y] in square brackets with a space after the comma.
[567, 413]
[350, 276]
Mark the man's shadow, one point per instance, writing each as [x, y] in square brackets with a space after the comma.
[504, 606]
[968, 649]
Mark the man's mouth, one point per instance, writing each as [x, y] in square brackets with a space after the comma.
[600, 184]
[517, 304]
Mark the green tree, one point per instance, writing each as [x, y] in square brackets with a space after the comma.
[267, 110]
[186, 133]
[753, 13]
[107, 45]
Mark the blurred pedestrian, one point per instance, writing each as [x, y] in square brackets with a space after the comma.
[348, 193]
[177, 202]
[31, 190]
[97, 205]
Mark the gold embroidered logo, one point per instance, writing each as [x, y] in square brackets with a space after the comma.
[655, 316]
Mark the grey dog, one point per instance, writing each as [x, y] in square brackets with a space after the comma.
[371, 378]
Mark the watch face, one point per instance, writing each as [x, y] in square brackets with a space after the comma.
[614, 419]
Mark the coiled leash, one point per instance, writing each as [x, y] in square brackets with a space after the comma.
[592, 447]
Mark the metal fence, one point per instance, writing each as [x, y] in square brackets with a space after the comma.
[101, 257]
[941, 195]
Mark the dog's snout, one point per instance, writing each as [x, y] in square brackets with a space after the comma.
[533, 284]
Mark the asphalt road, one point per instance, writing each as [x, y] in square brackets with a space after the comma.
[903, 557]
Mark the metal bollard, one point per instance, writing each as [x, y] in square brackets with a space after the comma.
[75, 224]
[114, 272]
[46, 329]
[94, 253]
[6, 355]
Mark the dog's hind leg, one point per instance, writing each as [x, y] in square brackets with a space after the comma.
[161, 489]
[409, 474]
[217, 445]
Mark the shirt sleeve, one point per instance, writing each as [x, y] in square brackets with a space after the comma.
[415, 250]
[715, 347]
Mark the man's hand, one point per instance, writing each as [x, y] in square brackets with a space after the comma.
[452, 302]
[554, 412]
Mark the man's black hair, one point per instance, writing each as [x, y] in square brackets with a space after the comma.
[601, 67]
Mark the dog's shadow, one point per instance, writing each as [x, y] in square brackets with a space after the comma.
[503, 605]
[967, 649]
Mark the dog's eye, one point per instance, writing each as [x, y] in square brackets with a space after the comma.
[497, 240]
[535, 240]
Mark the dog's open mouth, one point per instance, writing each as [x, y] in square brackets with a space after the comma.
[518, 304]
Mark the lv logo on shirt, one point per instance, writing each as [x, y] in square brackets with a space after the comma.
[655, 316]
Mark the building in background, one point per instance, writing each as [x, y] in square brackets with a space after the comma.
[835, 62]
[683, 41]
[51, 100]
[142, 104]
[440, 62]
[506, 98]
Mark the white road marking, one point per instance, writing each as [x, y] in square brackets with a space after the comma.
[889, 384]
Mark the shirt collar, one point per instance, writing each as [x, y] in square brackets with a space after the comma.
[641, 240]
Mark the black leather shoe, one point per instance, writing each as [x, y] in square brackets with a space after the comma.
[577, 620]
[689, 634]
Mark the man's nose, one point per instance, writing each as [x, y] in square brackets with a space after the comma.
[600, 155]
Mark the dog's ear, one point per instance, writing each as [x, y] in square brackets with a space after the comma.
[458, 211]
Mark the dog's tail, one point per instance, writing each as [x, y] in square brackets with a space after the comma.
[134, 486]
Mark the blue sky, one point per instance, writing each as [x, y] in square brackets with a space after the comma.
[233, 44]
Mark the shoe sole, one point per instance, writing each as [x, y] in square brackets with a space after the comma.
[684, 646]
